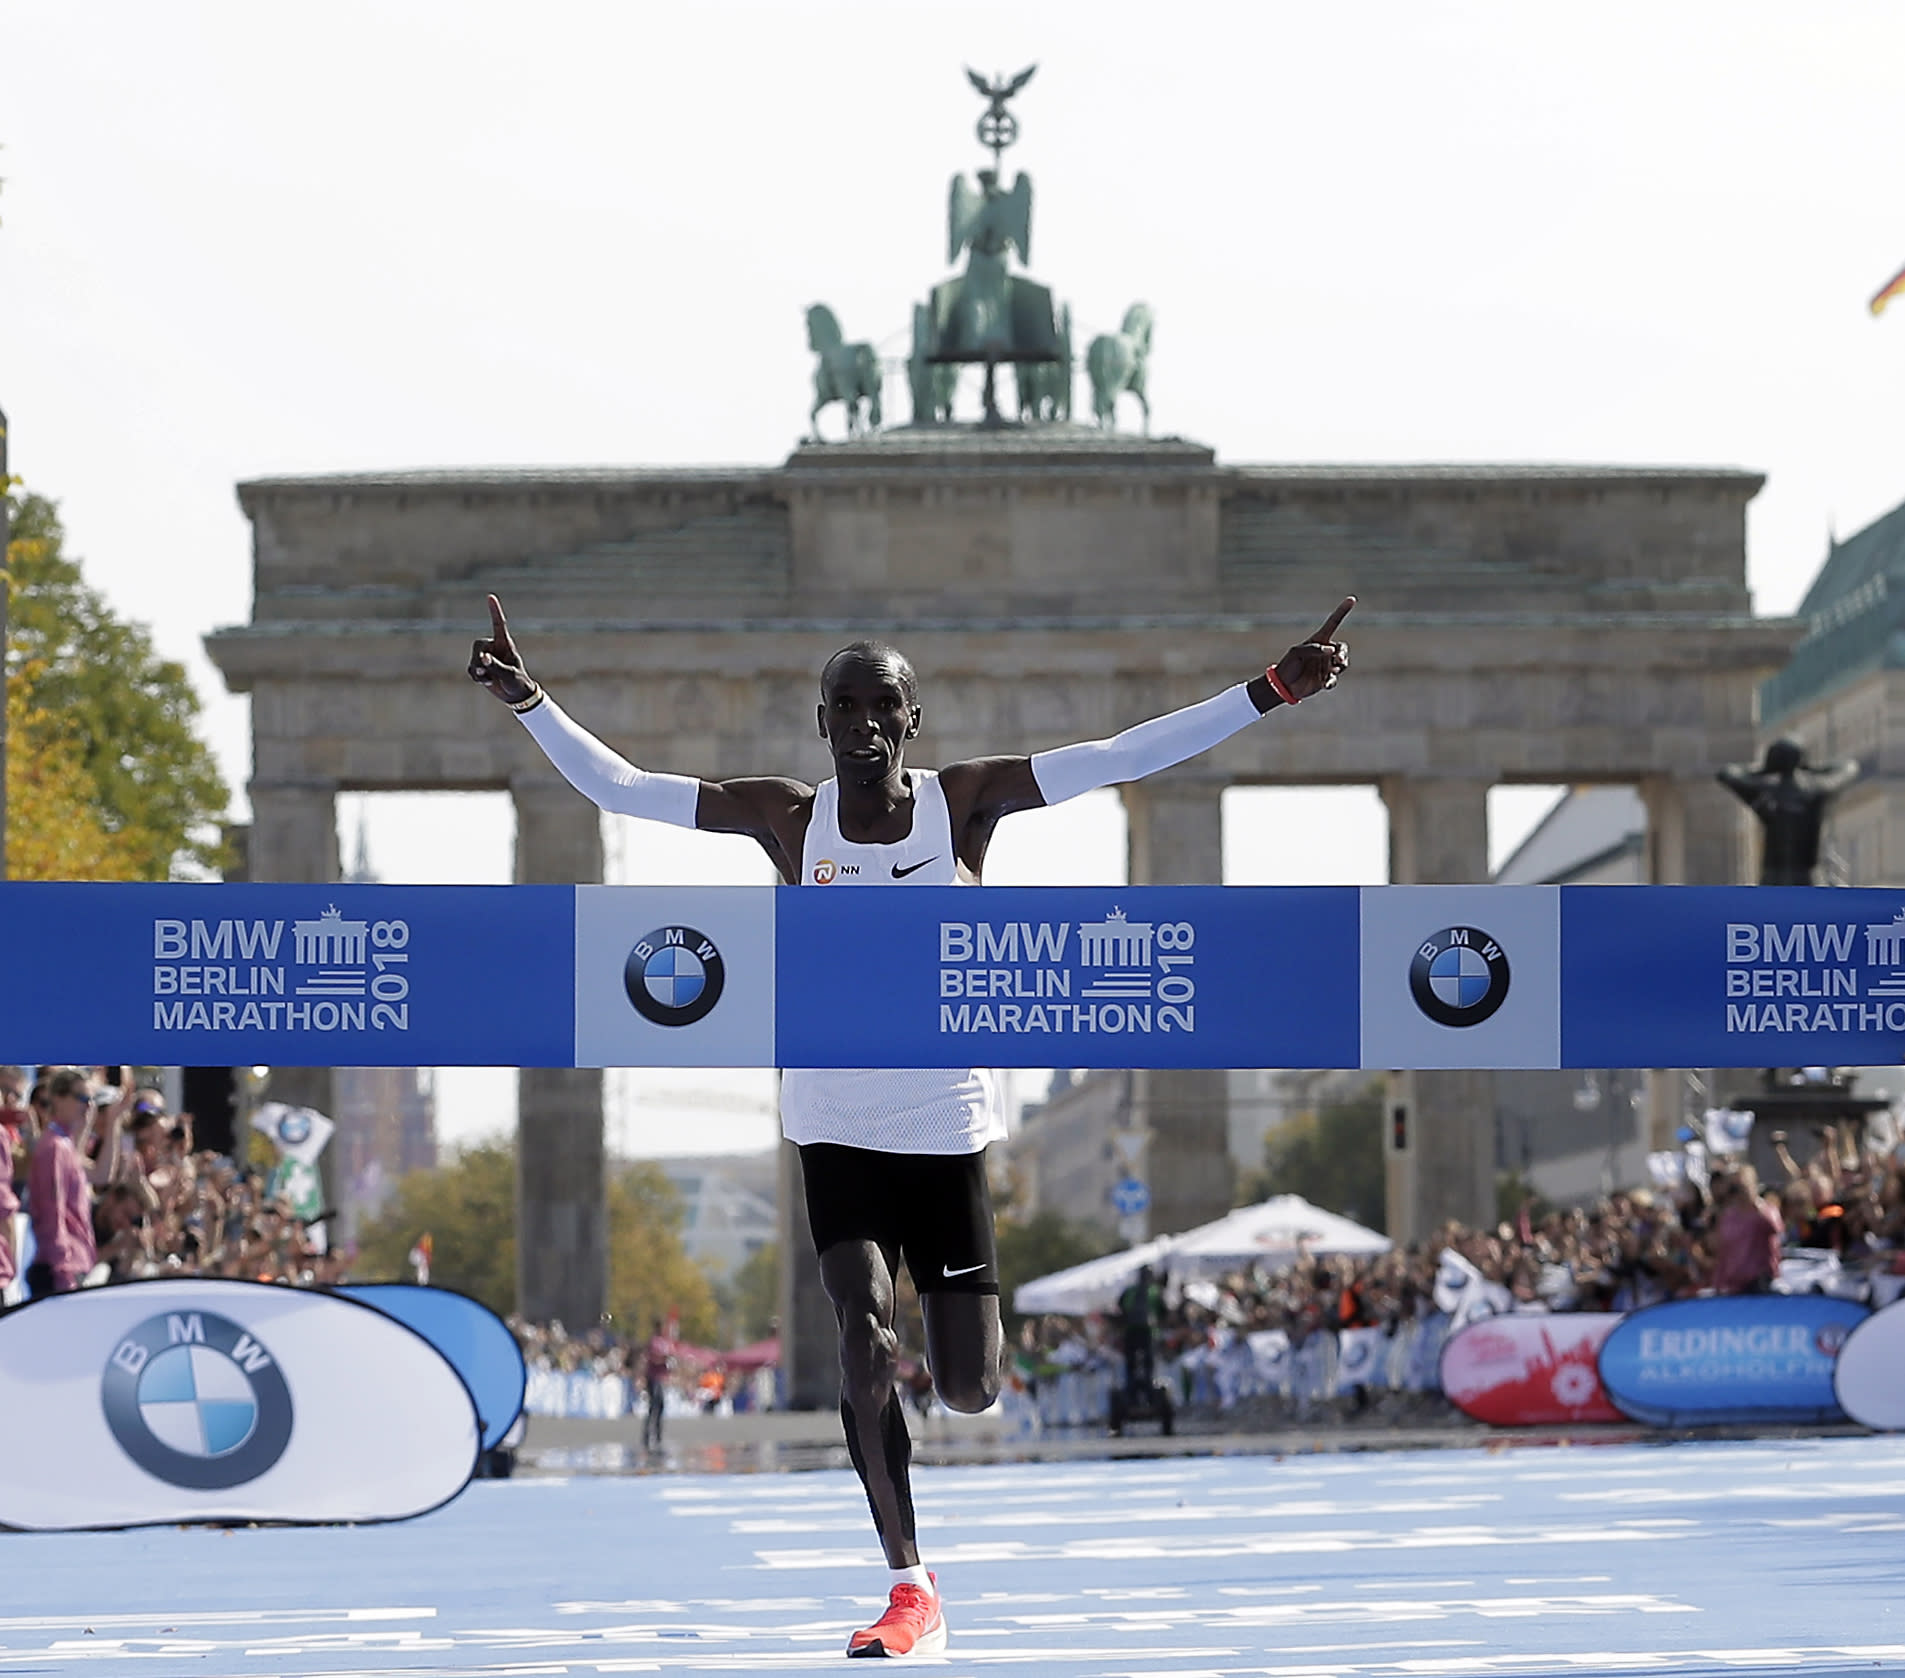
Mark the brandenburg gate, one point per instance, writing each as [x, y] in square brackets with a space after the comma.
[1051, 582]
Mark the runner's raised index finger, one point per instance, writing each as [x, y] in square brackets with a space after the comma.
[1328, 632]
[498, 625]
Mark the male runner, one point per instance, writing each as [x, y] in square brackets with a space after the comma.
[894, 1160]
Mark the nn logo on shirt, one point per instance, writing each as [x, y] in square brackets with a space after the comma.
[826, 871]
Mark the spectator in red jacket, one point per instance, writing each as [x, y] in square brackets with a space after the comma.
[1746, 1235]
[59, 1197]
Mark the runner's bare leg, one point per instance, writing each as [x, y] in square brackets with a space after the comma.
[860, 1285]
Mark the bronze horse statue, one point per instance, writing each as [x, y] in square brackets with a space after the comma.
[1045, 387]
[932, 382]
[846, 373]
[1116, 363]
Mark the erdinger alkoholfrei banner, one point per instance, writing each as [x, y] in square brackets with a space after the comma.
[1156, 976]
[175, 1401]
[1747, 1358]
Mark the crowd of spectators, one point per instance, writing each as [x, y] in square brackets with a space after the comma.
[113, 1190]
[1836, 1224]
[604, 1374]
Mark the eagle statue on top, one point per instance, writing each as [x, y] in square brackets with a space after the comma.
[987, 314]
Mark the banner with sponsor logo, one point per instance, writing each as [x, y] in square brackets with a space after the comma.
[1027, 976]
[1748, 1358]
[1157, 976]
[175, 1401]
[191, 975]
[1522, 1371]
[470, 1335]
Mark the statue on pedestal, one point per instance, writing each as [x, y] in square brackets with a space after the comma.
[1790, 797]
[846, 373]
[989, 315]
[1116, 363]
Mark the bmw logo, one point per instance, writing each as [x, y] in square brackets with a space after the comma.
[1459, 976]
[294, 1129]
[196, 1401]
[674, 975]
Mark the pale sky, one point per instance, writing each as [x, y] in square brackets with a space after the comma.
[239, 240]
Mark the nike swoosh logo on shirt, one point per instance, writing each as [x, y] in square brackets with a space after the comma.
[950, 1272]
[900, 873]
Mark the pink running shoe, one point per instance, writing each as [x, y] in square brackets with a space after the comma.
[913, 1624]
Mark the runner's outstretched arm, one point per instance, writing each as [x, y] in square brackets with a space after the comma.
[988, 788]
[759, 807]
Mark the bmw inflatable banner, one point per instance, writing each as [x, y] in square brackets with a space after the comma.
[1530, 1371]
[1748, 1358]
[470, 1335]
[196, 1400]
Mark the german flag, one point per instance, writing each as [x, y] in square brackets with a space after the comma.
[1887, 292]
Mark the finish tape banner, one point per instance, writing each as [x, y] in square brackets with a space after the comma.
[1383, 977]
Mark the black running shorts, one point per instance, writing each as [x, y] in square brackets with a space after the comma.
[935, 1210]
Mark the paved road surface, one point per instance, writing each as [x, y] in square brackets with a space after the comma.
[1692, 1558]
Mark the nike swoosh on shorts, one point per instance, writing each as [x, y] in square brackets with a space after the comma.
[948, 1270]
[900, 873]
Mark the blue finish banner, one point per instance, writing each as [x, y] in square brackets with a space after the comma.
[1732, 976]
[1380, 977]
[230, 975]
[1026, 976]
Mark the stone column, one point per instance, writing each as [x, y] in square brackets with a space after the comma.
[294, 840]
[1438, 835]
[810, 1337]
[561, 1196]
[1176, 837]
[1695, 837]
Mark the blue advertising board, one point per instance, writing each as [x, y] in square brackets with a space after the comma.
[1745, 1358]
[1381, 977]
[476, 1342]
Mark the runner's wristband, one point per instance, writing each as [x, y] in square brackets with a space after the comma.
[1278, 687]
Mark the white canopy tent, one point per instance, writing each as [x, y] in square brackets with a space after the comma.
[1276, 1233]
[1091, 1286]
[1273, 1234]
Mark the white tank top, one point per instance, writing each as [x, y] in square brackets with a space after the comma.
[895, 1110]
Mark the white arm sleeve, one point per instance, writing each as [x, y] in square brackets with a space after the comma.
[1067, 771]
[605, 777]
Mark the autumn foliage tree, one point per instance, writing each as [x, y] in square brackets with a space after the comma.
[468, 1208]
[107, 778]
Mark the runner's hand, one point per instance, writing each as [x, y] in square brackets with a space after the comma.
[496, 664]
[1313, 665]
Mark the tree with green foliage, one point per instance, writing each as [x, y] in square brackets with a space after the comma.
[650, 1273]
[468, 1208]
[94, 692]
[1332, 1157]
[750, 1298]
[1041, 1244]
